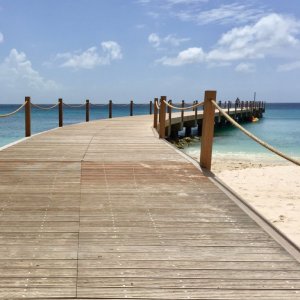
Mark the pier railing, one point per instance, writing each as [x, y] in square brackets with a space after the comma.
[27, 105]
[210, 108]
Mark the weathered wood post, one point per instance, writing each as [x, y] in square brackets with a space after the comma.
[131, 108]
[150, 107]
[60, 112]
[170, 118]
[87, 110]
[155, 113]
[110, 109]
[207, 129]
[162, 117]
[196, 112]
[182, 114]
[27, 117]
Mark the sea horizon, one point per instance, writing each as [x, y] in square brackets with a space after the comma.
[279, 119]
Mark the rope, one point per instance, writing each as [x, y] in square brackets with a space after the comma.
[157, 106]
[44, 108]
[100, 105]
[14, 112]
[184, 108]
[253, 137]
[74, 106]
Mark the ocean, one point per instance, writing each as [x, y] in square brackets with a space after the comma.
[12, 128]
[280, 127]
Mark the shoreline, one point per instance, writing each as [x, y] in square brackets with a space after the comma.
[268, 183]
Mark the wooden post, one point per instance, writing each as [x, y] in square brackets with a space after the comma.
[196, 113]
[110, 109]
[155, 113]
[170, 118]
[87, 110]
[27, 117]
[150, 107]
[207, 130]
[60, 112]
[182, 112]
[131, 108]
[162, 117]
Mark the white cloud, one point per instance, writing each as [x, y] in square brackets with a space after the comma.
[272, 35]
[225, 14]
[188, 56]
[91, 57]
[140, 26]
[289, 66]
[155, 40]
[1, 38]
[16, 70]
[245, 68]
[237, 12]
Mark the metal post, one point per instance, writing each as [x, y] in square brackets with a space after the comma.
[150, 107]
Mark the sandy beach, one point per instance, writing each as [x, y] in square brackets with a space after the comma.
[270, 185]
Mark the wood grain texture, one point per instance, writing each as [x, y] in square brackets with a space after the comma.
[106, 210]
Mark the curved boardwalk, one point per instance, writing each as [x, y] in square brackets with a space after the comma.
[105, 210]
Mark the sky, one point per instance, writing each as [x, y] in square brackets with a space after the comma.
[141, 49]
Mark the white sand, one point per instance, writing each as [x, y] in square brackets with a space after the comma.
[271, 187]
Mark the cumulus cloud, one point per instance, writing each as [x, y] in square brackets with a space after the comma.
[17, 69]
[245, 68]
[156, 41]
[188, 56]
[91, 57]
[289, 66]
[271, 35]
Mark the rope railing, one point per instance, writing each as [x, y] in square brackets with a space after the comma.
[185, 108]
[157, 105]
[44, 108]
[74, 106]
[253, 137]
[98, 105]
[13, 112]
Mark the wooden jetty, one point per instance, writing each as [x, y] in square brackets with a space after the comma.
[107, 210]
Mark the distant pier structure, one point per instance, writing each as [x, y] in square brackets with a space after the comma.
[191, 116]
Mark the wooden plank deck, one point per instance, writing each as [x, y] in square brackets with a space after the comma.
[105, 210]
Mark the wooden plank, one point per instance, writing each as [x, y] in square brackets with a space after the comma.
[107, 210]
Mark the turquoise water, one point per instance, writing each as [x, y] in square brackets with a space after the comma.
[280, 126]
[12, 128]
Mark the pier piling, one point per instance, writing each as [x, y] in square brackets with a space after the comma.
[207, 130]
[87, 110]
[27, 117]
[60, 112]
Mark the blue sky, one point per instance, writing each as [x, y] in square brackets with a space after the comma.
[140, 49]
